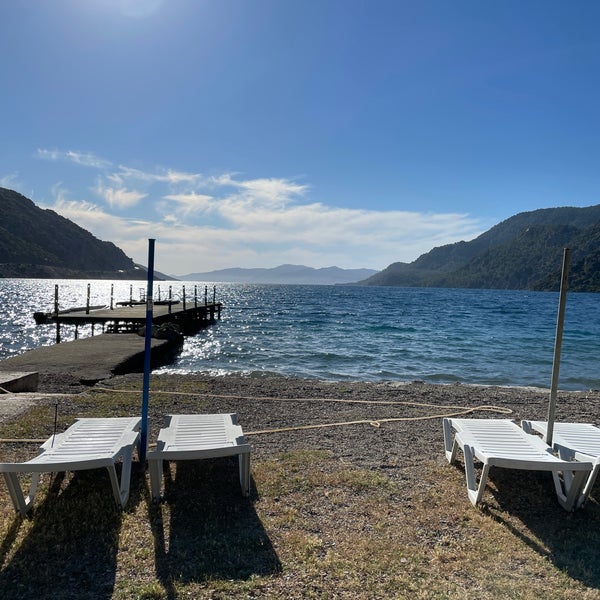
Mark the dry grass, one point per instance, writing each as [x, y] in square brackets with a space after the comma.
[314, 527]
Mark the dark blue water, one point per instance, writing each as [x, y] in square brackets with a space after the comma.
[355, 333]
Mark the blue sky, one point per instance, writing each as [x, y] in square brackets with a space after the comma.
[252, 133]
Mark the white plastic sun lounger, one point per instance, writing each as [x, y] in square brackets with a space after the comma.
[87, 444]
[573, 441]
[502, 443]
[194, 437]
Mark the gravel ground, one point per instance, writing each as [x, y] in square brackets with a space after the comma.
[272, 402]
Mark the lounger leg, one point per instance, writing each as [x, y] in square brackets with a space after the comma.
[121, 491]
[126, 476]
[568, 454]
[21, 502]
[589, 484]
[16, 493]
[450, 444]
[569, 483]
[35, 479]
[244, 464]
[569, 489]
[155, 467]
[114, 482]
[475, 491]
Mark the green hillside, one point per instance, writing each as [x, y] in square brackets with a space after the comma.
[40, 243]
[523, 252]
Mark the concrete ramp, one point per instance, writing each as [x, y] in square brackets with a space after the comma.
[92, 359]
[18, 381]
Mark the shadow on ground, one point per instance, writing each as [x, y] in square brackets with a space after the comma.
[569, 540]
[212, 532]
[71, 548]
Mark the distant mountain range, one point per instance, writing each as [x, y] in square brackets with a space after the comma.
[523, 252]
[284, 274]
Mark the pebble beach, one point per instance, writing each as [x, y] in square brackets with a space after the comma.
[371, 425]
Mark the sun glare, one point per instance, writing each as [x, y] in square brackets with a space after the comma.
[139, 8]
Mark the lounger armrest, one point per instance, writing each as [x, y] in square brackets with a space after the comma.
[131, 438]
[165, 436]
[567, 453]
[527, 427]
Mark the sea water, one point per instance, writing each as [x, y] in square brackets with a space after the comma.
[493, 337]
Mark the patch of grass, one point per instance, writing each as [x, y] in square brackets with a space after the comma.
[37, 422]
[152, 591]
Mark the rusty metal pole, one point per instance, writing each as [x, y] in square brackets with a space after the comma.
[557, 345]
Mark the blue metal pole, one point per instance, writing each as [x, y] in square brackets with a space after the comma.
[147, 353]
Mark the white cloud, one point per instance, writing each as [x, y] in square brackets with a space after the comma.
[228, 221]
[79, 158]
[166, 176]
[187, 204]
[102, 224]
[271, 192]
[9, 181]
[249, 196]
[311, 234]
[119, 197]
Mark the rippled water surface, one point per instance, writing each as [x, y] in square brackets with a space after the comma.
[347, 332]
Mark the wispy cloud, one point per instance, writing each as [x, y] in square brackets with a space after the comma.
[104, 225]
[248, 197]
[9, 181]
[119, 197]
[165, 176]
[270, 192]
[311, 234]
[79, 158]
[186, 204]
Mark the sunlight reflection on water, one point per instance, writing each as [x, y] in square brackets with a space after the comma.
[348, 332]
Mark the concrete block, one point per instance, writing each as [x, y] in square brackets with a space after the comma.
[14, 381]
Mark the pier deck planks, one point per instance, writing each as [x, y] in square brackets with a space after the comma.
[126, 317]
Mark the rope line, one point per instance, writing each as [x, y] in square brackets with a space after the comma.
[499, 409]
[378, 422]
[21, 441]
[459, 410]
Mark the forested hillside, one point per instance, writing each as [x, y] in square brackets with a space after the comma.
[523, 252]
[40, 243]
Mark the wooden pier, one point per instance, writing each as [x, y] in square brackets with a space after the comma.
[130, 316]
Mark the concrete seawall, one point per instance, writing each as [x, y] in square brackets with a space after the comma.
[92, 359]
